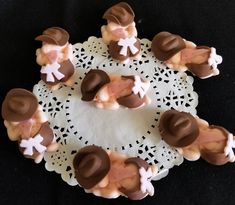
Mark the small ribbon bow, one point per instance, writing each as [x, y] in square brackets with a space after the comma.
[128, 43]
[145, 178]
[31, 143]
[50, 70]
[140, 87]
[228, 150]
[214, 59]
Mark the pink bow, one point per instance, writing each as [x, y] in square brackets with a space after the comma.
[128, 43]
[31, 143]
[52, 69]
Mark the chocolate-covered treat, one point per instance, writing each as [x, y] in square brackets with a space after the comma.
[195, 138]
[111, 174]
[19, 105]
[140, 191]
[120, 13]
[91, 165]
[131, 101]
[216, 135]
[165, 45]
[51, 78]
[55, 36]
[125, 49]
[214, 144]
[35, 147]
[111, 92]
[27, 124]
[120, 23]
[205, 69]
[92, 82]
[136, 98]
[55, 57]
[182, 55]
[120, 33]
[178, 129]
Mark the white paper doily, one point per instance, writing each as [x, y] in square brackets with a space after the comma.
[134, 132]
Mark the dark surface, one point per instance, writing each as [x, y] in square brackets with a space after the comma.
[208, 22]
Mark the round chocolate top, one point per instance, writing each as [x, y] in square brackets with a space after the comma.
[91, 165]
[92, 82]
[19, 105]
[165, 45]
[120, 13]
[178, 129]
[54, 35]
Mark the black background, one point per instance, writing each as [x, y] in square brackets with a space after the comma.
[205, 22]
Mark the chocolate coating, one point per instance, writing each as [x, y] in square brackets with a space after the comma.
[131, 101]
[120, 13]
[138, 162]
[215, 157]
[54, 35]
[48, 137]
[114, 50]
[66, 68]
[135, 194]
[200, 70]
[92, 82]
[165, 45]
[91, 165]
[18, 105]
[178, 129]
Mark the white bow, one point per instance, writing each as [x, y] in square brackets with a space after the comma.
[214, 59]
[140, 87]
[50, 69]
[228, 150]
[31, 143]
[128, 43]
[145, 178]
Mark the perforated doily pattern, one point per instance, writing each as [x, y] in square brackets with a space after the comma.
[133, 132]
